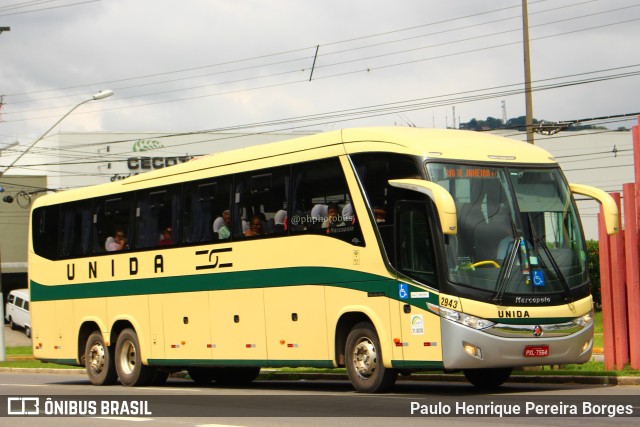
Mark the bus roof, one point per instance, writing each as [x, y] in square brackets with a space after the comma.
[445, 144]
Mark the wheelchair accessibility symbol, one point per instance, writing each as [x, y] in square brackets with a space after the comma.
[403, 290]
[538, 278]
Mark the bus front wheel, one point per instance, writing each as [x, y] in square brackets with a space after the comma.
[128, 360]
[487, 378]
[98, 360]
[364, 362]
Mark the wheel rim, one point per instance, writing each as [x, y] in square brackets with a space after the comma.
[96, 358]
[128, 357]
[365, 359]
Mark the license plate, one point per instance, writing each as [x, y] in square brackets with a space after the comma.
[536, 351]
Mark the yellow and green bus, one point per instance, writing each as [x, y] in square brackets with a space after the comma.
[382, 250]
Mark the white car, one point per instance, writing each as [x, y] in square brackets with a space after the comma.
[17, 310]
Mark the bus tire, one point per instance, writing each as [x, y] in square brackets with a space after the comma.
[98, 361]
[201, 376]
[364, 364]
[235, 376]
[13, 324]
[128, 361]
[488, 378]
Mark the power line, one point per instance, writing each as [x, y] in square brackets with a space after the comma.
[17, 6]
[332, 53]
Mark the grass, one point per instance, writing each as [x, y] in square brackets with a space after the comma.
[29, 363]
[598, 340]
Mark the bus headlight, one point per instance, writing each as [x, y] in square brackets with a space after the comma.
[465, 319]
[584, 320]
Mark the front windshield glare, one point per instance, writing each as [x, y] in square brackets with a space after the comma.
[518, 232]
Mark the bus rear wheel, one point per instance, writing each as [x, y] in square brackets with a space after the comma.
[128, 360]
[98, 360]
[488, 378]
[364, 362]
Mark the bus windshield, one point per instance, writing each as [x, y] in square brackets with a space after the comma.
[518, 231]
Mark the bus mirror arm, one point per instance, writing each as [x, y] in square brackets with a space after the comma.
[441, 198]
[609, 206]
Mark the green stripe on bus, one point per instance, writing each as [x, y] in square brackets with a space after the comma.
[293, 276]
[417, 364]
[70, 362]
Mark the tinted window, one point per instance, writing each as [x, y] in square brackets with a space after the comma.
[157, 216]
[45, 231]
[204, 202]
[75, 229]
[112, 216]
[261, 203]
[322, 203]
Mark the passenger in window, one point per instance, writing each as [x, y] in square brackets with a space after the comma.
[280, 221]
[255, 227]
[333, 219]
[116, 243]
[348, 216]
[167, 239]
[224, 231]
[318, 215]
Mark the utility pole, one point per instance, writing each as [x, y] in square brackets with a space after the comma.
[3, 353]
[527, 71]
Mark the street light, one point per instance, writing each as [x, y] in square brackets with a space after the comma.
[100, 95]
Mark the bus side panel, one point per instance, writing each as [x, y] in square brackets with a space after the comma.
[44, 329]
[90, 310]
[66, 331]
[342, 300]
[421, 337]
[238, 325]
[134, 310]
[156, 327]
[296, 324]
[187, 332]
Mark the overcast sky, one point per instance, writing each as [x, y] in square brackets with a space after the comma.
[196, 65]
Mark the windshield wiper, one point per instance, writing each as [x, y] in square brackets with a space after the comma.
[540, 241]
[505, 273]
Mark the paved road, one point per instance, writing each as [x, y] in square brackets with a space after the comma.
[280, 403]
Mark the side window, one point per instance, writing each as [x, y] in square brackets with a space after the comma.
[11, 298]
[322, 203]
[206, 210]
[75, 229]
[26, 305]
[261, 203]
[157, 216]
[112, 227]
[45, 231]
[414, 253]
[375, 170]
[19, 302]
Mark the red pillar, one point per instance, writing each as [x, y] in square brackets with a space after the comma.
[619, 293]
[605, 294]
[633, 273]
